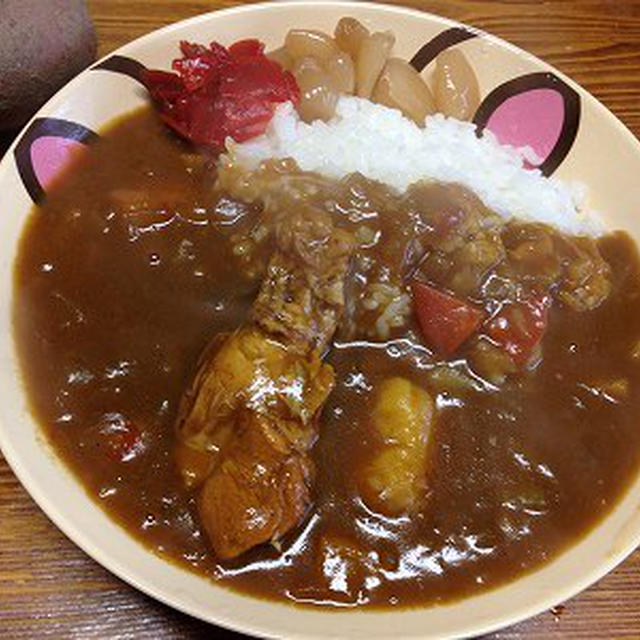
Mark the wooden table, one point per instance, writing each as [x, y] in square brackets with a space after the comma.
[49, 588]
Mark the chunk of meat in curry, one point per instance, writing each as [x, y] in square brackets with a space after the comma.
[253, 408]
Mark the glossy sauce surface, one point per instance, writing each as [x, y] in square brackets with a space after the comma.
[129, 269]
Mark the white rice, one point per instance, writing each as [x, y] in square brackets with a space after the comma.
[383, 145]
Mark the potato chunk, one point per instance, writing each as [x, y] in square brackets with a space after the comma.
[393, 481]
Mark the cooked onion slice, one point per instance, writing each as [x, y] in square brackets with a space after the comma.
[401, 87]
[342, 72]
[282, 57]
[372, 56]
[456, 86]
[300, 43]
[318, 94]
[349, 34]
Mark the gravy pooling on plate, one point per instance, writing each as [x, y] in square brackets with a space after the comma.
[135, 261]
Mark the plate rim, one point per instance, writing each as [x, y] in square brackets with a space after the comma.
[215, 617]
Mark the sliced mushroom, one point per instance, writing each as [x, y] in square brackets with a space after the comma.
[400, 86]
[349, 34]
[372, 56]
[456, 87]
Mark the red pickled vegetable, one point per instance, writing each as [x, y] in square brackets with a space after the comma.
[446, 321]
[519, 327]
[246, 48]
[218, 92]
[199, 65]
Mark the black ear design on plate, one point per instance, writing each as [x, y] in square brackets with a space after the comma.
[45, 149]
[537, 110]
[122, 64]
[442, 41]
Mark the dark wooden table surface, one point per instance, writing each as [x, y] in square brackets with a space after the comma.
[49, 588]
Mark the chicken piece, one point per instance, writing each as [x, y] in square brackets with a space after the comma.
[260, 489]
[456, 239]
[491, 362]
[540, 255]
[252, 371]
[586, 281]
[464, 270]
[532, 253]
[393, 482]
[254, 404]
[447, 216]
[302, 296]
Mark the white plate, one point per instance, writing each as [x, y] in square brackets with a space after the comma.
[92, 99]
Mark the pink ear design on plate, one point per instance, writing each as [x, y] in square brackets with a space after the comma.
[537, 110]
[45, 149]
[50, 154]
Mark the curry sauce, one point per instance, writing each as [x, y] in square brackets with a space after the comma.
[135, 261]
